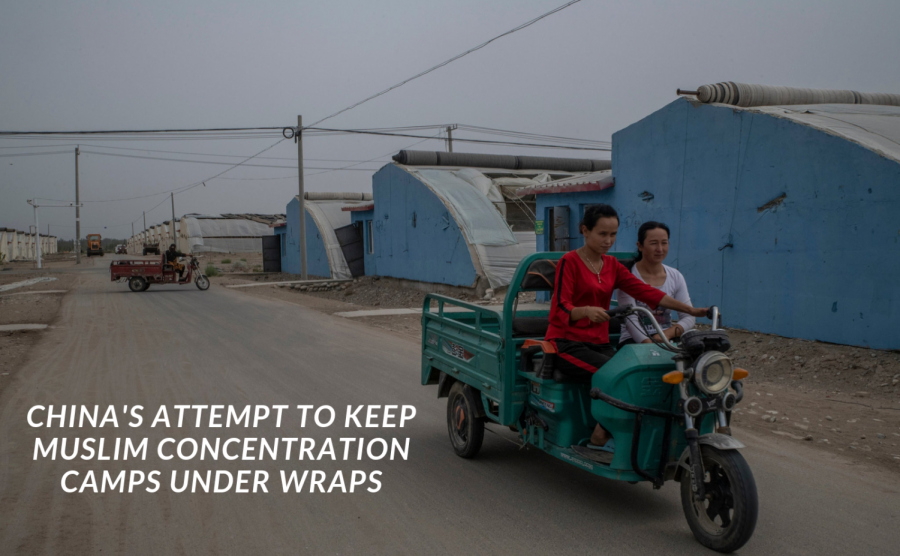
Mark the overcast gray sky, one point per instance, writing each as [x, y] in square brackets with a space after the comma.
[585, 72]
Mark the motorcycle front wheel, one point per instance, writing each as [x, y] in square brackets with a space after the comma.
[725, 519]
[202, 283]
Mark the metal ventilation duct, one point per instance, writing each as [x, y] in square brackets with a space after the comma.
[744, 95]
[336, 196]
[500, 161]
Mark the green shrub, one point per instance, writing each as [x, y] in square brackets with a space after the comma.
[211, 270]
[245, 260]
[226, 261]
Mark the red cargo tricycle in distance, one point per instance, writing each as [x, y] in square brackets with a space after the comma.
[141, 273]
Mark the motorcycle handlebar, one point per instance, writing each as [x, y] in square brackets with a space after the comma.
[618, 311]
[713, 314]
[628, 310]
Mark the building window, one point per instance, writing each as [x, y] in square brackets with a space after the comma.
[370, 240]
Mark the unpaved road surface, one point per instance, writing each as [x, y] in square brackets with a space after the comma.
[177, 345]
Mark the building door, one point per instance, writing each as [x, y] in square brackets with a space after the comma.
[271, 253]
[559, 229]
[352, 247]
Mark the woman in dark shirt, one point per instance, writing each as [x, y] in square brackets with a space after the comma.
[585, 281]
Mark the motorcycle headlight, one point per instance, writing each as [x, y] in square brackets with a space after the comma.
[713, 372]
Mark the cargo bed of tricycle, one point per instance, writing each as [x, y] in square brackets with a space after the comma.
[126, 269]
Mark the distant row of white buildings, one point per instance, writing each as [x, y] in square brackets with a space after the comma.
[16, 245]
[195, 233]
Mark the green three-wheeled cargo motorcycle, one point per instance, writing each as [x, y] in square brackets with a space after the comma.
[668, 406]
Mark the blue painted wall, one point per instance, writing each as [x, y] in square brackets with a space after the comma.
[820, 265]
[416, 238]
[362, 218]
[316, 258]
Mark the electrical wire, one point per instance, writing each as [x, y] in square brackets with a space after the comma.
[463, 140]
[444, 63]
[134, 131]
[532, 136]
[377, 157]
[35, 154]
[211, 154]
[207, 161]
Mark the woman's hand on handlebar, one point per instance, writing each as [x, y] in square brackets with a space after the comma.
[671, 303]
[595, 314]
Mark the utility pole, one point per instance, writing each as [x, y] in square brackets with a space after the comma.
[302, 225]
[450, 129]
[37, 237]
[131, 242]
[174, 235]
[77, 211]
[37, 233]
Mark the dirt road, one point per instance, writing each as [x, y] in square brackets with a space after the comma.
[177, 345]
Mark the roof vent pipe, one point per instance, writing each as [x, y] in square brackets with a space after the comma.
[744, 95]
[330, 196]
[500, 161]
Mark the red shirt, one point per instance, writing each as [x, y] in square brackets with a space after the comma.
[577, 286]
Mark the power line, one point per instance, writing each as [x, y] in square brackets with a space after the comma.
[172, 152]
[202, 161]
[463, 140]
[453, 59]
[380, 156]
[135, 131]
[556, 141]
[533, 136]
[34, 154]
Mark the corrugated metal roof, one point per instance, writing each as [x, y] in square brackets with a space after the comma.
[595, 181]
[874, 127]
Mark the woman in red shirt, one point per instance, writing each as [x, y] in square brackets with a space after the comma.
[585, 281]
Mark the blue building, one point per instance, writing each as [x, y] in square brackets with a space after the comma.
[448, 222]
[330, 235]
[784, 216]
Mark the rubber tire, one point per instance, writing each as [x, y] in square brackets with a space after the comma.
[137, 284]
[202, 279]
[743, 491]
[146, 286]
[469, 445]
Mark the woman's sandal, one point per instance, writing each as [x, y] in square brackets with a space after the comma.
[610, 446]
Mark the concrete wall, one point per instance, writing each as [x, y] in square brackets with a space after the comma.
[416, 238]
[820, 264]
[316, 257]
[362, 219]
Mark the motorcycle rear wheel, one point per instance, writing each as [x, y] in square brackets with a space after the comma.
[137, 284]
[466, 430]
[724, 521]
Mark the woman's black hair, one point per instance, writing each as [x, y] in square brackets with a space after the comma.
[642, 234]
[596, 212]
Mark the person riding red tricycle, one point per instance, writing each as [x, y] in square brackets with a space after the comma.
[168, 270]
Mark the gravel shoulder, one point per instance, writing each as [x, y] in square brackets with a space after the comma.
[35, 307]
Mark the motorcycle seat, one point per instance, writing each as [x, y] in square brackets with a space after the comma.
[572, 378]
[530, 327]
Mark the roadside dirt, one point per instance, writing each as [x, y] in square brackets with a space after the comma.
[26, 305]
[840, 399]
